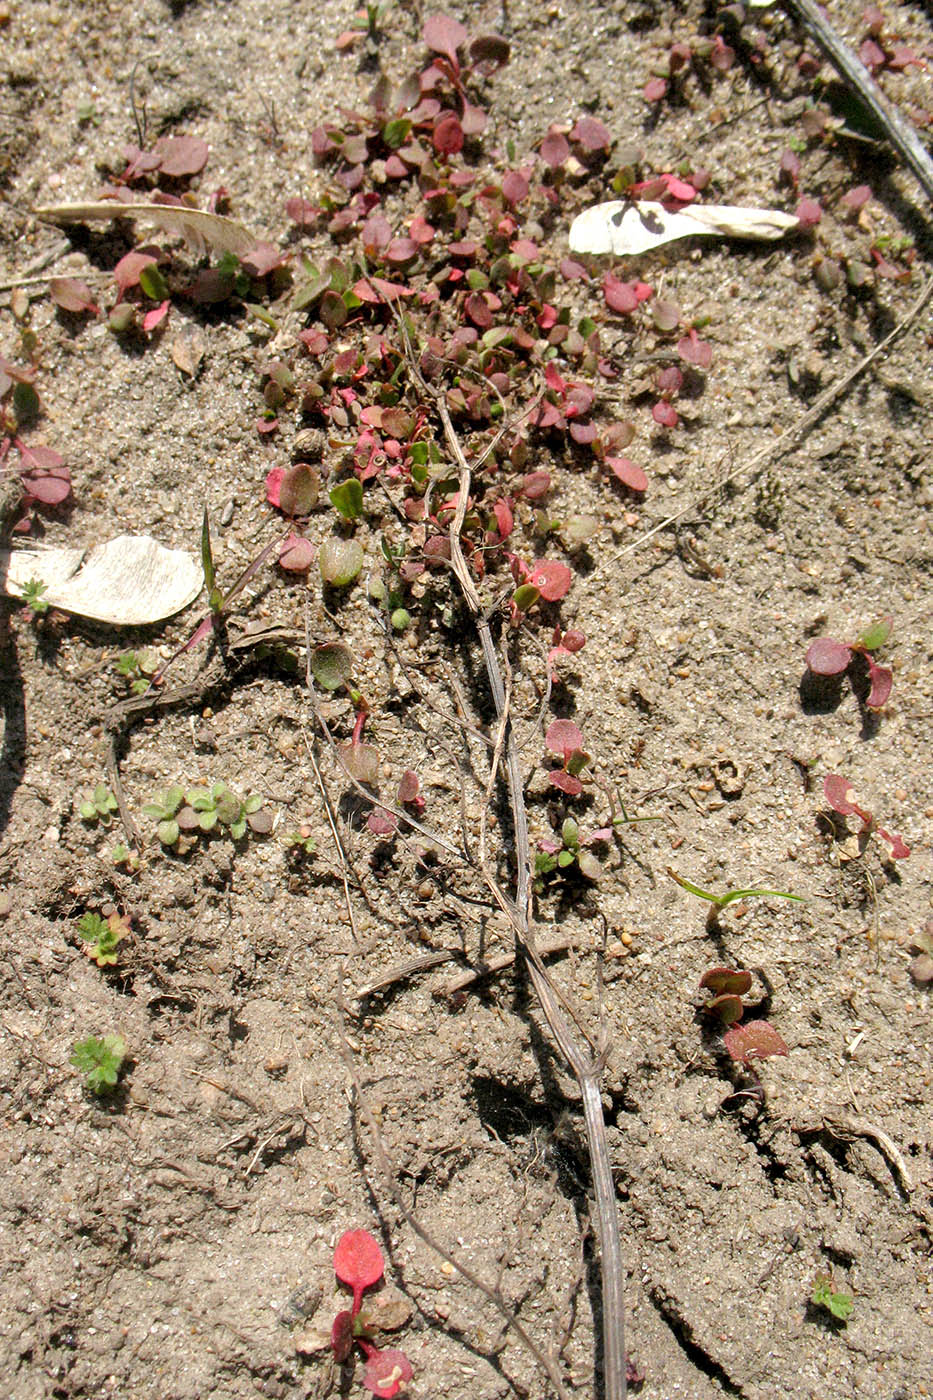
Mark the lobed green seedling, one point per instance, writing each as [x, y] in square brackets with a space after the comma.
[204, 810]
[100, 1060]
[826, 1295]
[102, 937]
[99, 807]
[33, 601]
[138, 668]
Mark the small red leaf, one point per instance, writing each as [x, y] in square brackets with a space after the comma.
[881, 682]
[302, 212]
[566, 782]
[71, 294]
[620, 296]
[551, 578]
[126, 273]
[358, 1263]
[563, 737]
[897, 850]
[51, 487]
[296, 554]
[181, 155]
[809, 213]
[843, 798]
[655, 90]
[386, 1372]
[695, 351]
[341, 1336]
[156, 316]
[826, 657]
[591, 134]
[555, 149]
[447, 137]
[756, 1040]
[444, 35]
[382, 823]
[408, 786]
[514, 187]
[727, 979]
[628, 473]
[665, 414]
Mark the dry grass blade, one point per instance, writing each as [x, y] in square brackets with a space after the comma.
[196, 226]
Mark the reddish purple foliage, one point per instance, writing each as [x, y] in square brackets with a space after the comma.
[551, 578]
[444, 35]
[755, 1040]
[628, 473]
[563, 737]
[591, 134]
[655, 90]
[358, 1263]
[809, 213]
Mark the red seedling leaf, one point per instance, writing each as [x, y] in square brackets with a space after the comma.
[71, 294]
[727, 1007]
[420, 230]
[555, 149]
[551, 578]
[727, 979]
[843, 798]
[881, 682]
[572, 271]
[573, 640]
[358, 1260]
[50, 487]
[665, 414]
[897, 850]
[302, 212]
[341, 1337]
[505, 521]
[156, 316]
[679, 190]
[628, 473]
[535, 485]
[445, 35]
[514, 187]
[265, 257]
[477, 308]
[39, 456]
[386, 1372]
[620, 296]
[563, 737]
[447, 136]
[695, 351]
[126, 273]
[756, 1040]
[181, 155]
[591, 134]
[655, 90]
[809, 213]
[855, 199]
[567, 782]
[872, 55]
[382, 823]
[826, 657]
[408, 786]
[296, 555]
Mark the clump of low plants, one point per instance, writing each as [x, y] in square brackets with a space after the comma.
[748, 1041]
[100, 806]
[825, 1294]
[102, 937]
[844, 800]
[100, 1060]
[44, 478]
[569, 852]
[358, 1265]
[829, 657]
[204, 810]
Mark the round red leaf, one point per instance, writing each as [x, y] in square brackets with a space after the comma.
[551, 579]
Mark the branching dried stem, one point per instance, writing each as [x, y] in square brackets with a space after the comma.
[586, 1063]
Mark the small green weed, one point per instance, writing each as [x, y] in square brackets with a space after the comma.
[100, 1060]
[826, 1295]
[138, 668]
[204, 810]
[32, 597]
[99, 807]
[102, 937]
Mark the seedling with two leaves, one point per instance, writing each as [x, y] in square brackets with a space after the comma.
[829, 657]
[358, 1264]
[843, 799]
[753, 1040]
[826, 1295]
[722, 901]
[99, 807]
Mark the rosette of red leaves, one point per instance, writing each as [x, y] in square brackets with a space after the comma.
[358, 1264]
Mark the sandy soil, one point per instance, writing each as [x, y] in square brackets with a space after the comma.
[174, 1239]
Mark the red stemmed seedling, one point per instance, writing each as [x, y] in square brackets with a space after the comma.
[565, 739]
[829, 657]
[843, 799]
[358, 1264]
[753, 1040]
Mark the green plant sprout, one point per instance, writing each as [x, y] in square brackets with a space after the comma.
[138, 667]
[203, 810]
[99, 807]
[721, 901]
[122, 855]
[102, 937]
[301, 842]
[826, 1295]
[100, 1060]
[32, 597]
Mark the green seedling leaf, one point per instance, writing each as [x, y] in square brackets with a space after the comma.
[722, 900]
[331, 665]
[340, 561]
[168, 832]
[207, 564]
[525, 596]
[876, 635]
[826, 1295]
[99, 1060]
[347, 498]
[153, 283]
